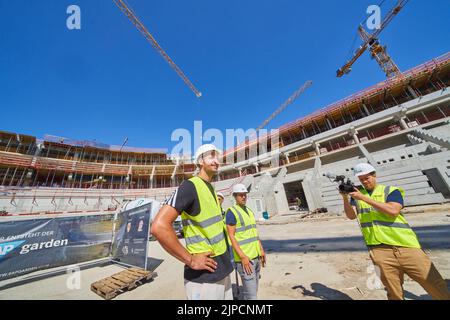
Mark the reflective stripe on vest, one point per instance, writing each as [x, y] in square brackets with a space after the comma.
[381, 228]
[204, 232]
[199, 239]
[246, 233]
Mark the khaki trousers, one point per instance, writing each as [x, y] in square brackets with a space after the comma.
[394, 262]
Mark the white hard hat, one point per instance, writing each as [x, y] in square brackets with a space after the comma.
[363, 168]
[219, 194]
[204, 149]
[239, 188]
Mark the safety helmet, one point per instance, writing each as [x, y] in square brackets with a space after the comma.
[363, 168]
[239, 188]
[204, 149]
[219, 194]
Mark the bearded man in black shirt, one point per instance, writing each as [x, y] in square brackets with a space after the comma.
[206, 255]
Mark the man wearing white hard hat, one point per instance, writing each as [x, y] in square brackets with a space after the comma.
[392, 243]
[247, 248]
[206, 255]
[221, 198]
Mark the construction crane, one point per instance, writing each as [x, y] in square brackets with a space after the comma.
[377, 51]
[130, 14]
[290, 100]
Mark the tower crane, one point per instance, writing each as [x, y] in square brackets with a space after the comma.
[130, 15]
[377, 51]
[289, 101]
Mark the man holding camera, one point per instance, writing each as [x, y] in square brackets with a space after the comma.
[393, 245]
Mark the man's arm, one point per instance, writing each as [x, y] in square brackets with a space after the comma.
[162, 229]
[263, 254]
[231, 233]
[390, 208]
[348, 208]
[231, 230]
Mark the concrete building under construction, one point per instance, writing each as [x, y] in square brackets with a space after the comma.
[401, 126]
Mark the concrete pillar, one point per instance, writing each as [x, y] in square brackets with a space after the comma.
[354, 134]
[304, 133]
[316, 147]
[368, 156]
[281, 202]
[365, 109]
[39, 148]
[443, 172]
[329, 123]
[403, 123]
[152, 176]
[287, 158]
[411, 91]
[400, 117]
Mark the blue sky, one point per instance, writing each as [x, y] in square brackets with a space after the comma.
[105, 82]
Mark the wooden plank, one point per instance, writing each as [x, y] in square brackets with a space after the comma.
[106, 289]
[129, 274]
[132, 275]
[104, 295]
[105, 292]
[147, 274]
[105, 284]
[122, 277]
[111, 284]
[139, 271]
[110, 287]
[118, 282]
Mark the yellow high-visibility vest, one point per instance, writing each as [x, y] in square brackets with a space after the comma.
[246, 233]
[380, 228]
[205, 231]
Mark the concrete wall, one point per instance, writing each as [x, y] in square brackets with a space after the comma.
[28, 201]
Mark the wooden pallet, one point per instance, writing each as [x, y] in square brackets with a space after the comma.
[108, 288]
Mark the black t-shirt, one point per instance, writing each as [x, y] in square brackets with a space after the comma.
[185, 198]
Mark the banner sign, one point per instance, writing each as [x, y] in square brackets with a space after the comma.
[31, 245]
[131, 237]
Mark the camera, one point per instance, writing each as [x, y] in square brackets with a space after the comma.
[345, 185]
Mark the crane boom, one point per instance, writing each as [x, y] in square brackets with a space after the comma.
[129, 13]
[290, 100]
[377, 51]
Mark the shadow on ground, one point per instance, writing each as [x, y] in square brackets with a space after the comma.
[153, 263]
[430, 237]
[322, 292]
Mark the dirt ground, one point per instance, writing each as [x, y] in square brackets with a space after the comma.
[311, 258]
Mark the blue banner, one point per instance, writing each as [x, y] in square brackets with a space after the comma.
[31, 245]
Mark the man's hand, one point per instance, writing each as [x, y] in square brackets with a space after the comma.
[348, 209]
[262, 258]
[246, 264]
[391, 208]
[343, 194]
[357, 195]
[202, 261]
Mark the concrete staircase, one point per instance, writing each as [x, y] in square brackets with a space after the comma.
[440, 140]
[431, 147]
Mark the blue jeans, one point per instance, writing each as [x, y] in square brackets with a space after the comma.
[250, 282]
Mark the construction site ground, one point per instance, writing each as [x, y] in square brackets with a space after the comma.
[308, 257]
